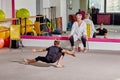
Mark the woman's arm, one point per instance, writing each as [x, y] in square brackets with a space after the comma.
[73, 29]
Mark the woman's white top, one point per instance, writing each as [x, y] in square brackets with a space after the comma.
[78, 31]
[92, 27]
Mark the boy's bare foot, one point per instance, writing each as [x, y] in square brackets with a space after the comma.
[59, 66]
[26, 61]
[34, 50]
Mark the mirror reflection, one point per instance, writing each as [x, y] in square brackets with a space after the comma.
[42, 19]
[103, 14]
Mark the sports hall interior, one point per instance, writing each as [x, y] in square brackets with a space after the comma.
[36, 24]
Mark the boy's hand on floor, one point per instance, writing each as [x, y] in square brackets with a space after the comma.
[73, 55]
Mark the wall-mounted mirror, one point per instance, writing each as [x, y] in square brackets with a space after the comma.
[105, 12]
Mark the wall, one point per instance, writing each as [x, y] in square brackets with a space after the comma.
[60, 9]
[0, 4]
[31, 6]
[46, 4]
[66, 44]
[37, 6]
[41, 6]
[75, 6]
[84, 5]
[63, 13]
[28, 4]
[57, 4]
[5, 5]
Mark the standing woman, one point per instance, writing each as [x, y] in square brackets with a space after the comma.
[78, 32]
[90, 22]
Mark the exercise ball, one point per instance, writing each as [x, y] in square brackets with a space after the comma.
[4, 34]
[28, 22]
[2, 14]
[1, 42]
[7, 42]
[22, 13]
[29, 29]
[7, 34]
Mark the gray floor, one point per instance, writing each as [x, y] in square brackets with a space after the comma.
[93, 65]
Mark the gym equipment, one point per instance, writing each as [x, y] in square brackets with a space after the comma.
[37, 27]
[7, 42]
[88, 30]
[22, 13]
[59, 23]
[2, 15]
[15, 44]
[1, 42]
[39, 24]
[50, 26]
[15, 32]
[4, 32]
[57, 32]
[69, 26]
[53, 16]
[28, 22]
[27, 27]
[39, 18]
[56, 22]
[58, 29]
[14, 36]
[29, 30]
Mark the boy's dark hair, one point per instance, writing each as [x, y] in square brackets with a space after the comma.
[56, 42]
[101, 24]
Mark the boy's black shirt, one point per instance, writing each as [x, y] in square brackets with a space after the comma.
[54, 53]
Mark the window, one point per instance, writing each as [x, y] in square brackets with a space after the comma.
[113, 6]
[97, 4]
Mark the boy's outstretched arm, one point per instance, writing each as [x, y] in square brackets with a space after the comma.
[68, 52]
[40, 50]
